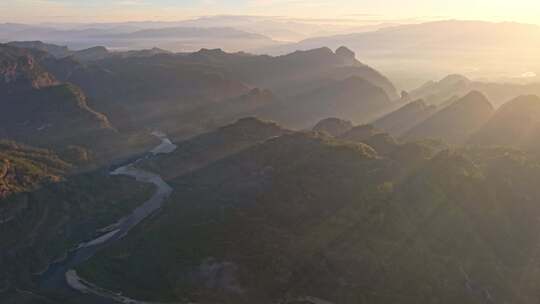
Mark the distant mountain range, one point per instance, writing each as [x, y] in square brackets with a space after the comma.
[455, 86]
[84, 55]
[190, 93]
[94, 105]
[276, 27]
[410, 54]
[468, 120]
[209, 88]
[188, 32]
[413, 53]
[173, 38]
[208, 85]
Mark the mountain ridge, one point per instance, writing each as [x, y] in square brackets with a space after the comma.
[456, 122]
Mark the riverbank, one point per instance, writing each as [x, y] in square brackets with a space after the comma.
[62, 277]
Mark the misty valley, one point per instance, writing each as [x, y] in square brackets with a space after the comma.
[232, 167]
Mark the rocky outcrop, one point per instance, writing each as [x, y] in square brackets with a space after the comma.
[348, 56]
[4, 185]
[19, 70]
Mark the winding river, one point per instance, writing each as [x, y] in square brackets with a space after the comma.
[62, 280]
[61, 277]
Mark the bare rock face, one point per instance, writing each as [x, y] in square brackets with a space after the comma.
[4, 168]
[21, 71]
[348, 56]
[24, 168]
[405, 96]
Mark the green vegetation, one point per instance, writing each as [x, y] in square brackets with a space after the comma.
[262, 214]
[40, 226]
[305, 215]
[23, 168]
[199, 151]
[333, 126]
[40, 111]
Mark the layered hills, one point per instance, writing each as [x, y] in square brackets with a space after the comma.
[280, 220]
[514, 124]
[41, 225]
[352, 99]
[413, 53]
[299, 89]
[300, 178]
[94, 104]
[41, 111]
[202, 150]
[456, 122]
[403, 119]
[455, 86]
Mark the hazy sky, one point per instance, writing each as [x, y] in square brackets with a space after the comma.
[124, 10]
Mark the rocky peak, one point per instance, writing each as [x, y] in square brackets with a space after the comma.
[55, 50]
[454, 79]
[91, 54]
[4, 167]
[348, 56]
[516, 123]
[318, 56]
[475, 99]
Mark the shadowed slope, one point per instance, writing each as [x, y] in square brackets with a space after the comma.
[405, 118]
[516, 123]
[456, 122]
[199, 151]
